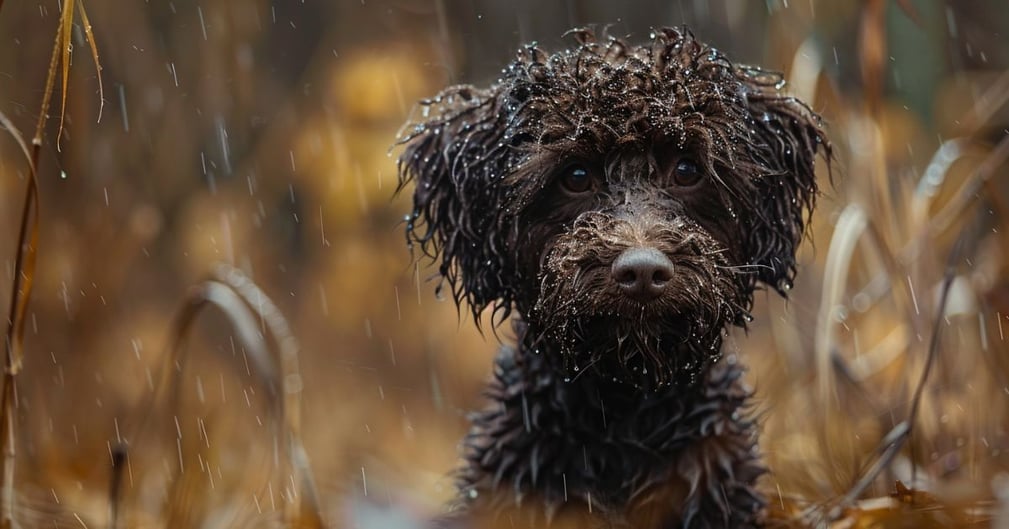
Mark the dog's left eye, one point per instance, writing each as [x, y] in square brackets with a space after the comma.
[687, 173]
[576, 179]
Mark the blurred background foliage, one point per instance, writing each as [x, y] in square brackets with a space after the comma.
[258, 134]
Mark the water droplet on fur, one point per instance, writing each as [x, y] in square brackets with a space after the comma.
[576, 369]
[747, 317]
[567, 379]
[785, 285]
[473, 493]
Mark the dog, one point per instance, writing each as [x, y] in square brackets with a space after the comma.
[619, 204]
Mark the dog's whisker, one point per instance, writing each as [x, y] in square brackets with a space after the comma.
[581, 371]
[744, 268]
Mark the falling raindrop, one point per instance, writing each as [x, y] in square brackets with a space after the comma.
[122, 107]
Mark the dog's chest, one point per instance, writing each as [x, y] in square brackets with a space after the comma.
[589, 446]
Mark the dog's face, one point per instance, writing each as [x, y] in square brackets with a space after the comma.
[625, 200]
[639, 259]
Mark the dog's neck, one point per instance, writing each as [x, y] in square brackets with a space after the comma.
[608, 375]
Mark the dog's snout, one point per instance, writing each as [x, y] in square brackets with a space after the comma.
[642, 273]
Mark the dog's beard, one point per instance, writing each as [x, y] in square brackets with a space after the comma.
[582, 315]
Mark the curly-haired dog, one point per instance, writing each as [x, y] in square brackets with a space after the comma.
[623, 202]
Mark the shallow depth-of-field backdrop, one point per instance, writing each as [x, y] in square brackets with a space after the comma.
[257, 134]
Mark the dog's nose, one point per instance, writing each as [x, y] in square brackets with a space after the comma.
[642, 273]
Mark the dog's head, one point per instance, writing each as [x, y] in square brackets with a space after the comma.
[626, 200]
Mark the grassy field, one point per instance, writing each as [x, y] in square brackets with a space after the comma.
[214, 320]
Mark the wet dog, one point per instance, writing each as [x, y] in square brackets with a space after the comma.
[621, 203]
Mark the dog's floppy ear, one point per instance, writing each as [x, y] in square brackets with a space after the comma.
[785, 137]
[457, 156]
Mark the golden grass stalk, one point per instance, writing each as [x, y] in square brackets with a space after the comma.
[61, 53]
[273, 353]
[24, 271]
[27, 250]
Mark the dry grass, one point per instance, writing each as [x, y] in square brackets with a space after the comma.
[882, 382]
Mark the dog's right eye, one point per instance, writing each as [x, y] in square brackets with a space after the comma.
[576, 179]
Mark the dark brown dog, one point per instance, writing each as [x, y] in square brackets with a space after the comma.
[623, 202]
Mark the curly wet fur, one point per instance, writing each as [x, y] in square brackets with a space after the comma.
[615, 411]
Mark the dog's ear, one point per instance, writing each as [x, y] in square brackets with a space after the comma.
[784, 139]
[457, 156]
